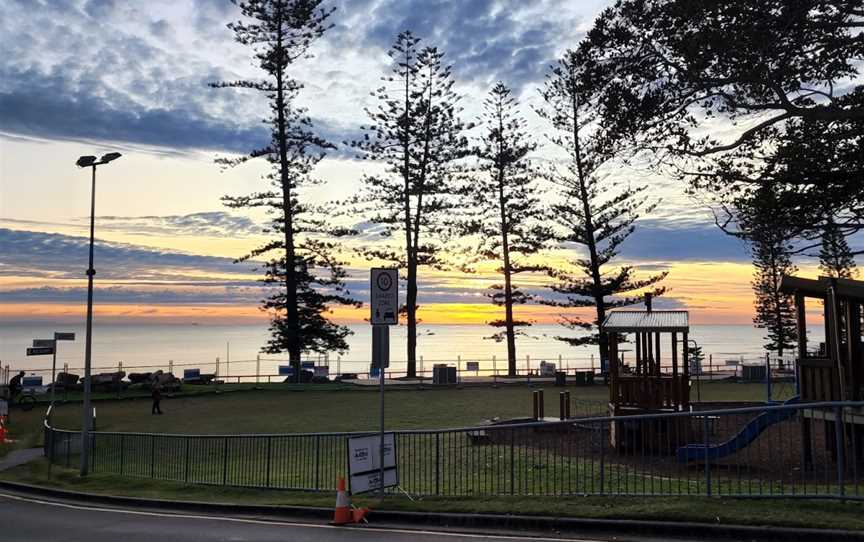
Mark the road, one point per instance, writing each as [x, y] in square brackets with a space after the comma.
[36, 520]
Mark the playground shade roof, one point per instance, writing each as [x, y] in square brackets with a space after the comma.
[634, 321]
[818, 288]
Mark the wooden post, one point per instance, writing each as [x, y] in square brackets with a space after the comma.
[832, 309]
[657, 349]
[676, 397]
[638, 353]
[801, 325]
[685, 370]
[853, 334]
[613, 368]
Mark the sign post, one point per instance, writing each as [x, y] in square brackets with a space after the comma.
[384, 310]
[58, 336]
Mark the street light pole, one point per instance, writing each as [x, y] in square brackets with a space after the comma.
[87, 415]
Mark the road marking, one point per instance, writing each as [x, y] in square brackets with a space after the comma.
[286, 523]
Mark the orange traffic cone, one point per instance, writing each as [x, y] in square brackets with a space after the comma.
[359, 514]
[342, 515]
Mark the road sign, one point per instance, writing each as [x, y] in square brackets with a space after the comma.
[42, 351]
[43, 343]
[384, 297]
[364, 462]
[60, 336]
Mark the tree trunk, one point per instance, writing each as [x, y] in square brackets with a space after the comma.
[291, 312]
[596, 279]
[508, 288]
[411, 297]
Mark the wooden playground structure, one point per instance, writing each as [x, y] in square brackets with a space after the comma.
[652, 386]
[834, 372]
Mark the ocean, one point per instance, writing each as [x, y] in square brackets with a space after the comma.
[148, 347]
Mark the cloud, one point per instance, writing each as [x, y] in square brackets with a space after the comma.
[666, 240]
[51, 255]
[137, 73]
[161, 295]
[204, 223]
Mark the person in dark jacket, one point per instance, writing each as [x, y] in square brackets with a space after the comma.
[156, 393]
[15, 387]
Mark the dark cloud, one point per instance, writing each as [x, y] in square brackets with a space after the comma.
[85, 71]
[51, 255]
[485, 40]
[50, 107]
[668, 241]
[135, 295]
[207, 223]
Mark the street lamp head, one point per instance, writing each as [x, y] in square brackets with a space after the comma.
[85, 161]
[109, 157]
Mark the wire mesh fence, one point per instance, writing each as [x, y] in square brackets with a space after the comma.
[793, 450]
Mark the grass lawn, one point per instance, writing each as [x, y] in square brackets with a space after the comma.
[281, 408]
[790, 513]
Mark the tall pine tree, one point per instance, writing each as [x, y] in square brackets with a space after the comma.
[505, 210]
[594, 212]
[769, 238]
[775, 311]
[416, 132]
[302, 267]
[835, 256]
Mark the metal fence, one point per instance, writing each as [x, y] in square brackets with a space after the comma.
[469, 370]
[800, 450]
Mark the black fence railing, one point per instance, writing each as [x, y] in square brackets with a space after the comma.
[792, 450]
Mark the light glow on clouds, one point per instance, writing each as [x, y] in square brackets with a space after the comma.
[87, 76]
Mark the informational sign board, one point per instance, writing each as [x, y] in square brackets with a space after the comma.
[43, 343]
[60, 336]
[371, 481]
[42, 351]
[384, 297]
[472, 366]
[364, 462]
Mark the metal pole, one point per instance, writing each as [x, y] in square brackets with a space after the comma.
[86, 414]
[381, 387]
[53, 375]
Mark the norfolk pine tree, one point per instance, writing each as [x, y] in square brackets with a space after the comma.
[416, 132]
[303, 262]
[593, 211]
[835, 256]
[775, 311]
[769, 239]
[505, 208]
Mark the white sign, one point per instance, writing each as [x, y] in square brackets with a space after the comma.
[371, 481]
[364, 453]
[384, 296]
[364, 462]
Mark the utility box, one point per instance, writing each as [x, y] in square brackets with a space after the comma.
[753, 373]
[560, 379]
[443, 374]
[584, 378]
[547, 369]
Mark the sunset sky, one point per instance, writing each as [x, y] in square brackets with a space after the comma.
[82, 77]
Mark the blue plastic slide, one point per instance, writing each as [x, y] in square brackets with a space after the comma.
[749, 433]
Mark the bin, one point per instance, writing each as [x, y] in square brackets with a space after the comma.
[560, 379]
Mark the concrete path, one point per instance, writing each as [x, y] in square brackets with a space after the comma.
[19, 457]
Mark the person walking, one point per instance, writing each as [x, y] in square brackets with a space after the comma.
[15, 387]
[156, 394]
